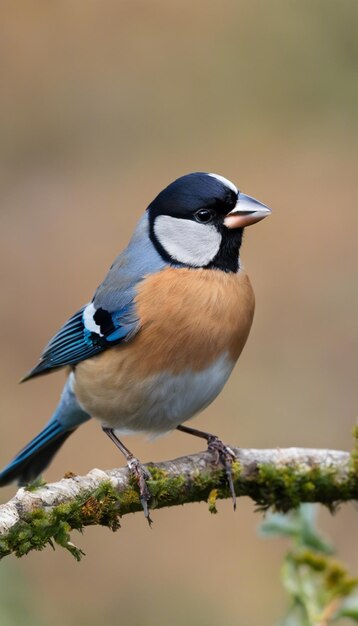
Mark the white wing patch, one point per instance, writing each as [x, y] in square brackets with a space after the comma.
[88, 320]
[186, 241]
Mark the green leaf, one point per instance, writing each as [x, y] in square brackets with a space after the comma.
[348, 608]
[299, 525]
[290, 579]
[279, 525]
[310, 537]
[296, 616]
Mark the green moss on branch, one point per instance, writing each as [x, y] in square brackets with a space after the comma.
[278, 479]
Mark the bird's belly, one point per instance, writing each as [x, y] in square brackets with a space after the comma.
[157, 403]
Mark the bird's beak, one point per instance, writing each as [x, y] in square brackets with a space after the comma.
[246, 212]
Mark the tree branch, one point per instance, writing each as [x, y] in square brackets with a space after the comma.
[278, 478]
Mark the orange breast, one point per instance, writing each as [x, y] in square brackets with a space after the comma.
[188, 319]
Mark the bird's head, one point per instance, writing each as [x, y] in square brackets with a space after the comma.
[198, 221]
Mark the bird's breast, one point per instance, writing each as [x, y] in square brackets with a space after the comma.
[191, 321]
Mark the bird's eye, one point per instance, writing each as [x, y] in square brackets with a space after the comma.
[204, 216]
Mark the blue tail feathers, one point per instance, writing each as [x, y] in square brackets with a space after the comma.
[36, 456]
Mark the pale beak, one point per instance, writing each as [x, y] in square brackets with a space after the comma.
[246, 212]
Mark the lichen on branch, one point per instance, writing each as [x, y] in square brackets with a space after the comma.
[280, 479]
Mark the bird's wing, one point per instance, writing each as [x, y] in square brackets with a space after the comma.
[90, 331]
[111, 317]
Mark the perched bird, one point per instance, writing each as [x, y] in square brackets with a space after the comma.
[163, 332]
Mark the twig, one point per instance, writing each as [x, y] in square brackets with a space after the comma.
[278, 478]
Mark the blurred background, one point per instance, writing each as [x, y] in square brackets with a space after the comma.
[102, 105]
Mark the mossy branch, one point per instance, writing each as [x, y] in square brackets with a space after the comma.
[279, 478]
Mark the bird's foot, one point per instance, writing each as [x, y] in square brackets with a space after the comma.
[137, 470]
[223, 454]
[141, 475]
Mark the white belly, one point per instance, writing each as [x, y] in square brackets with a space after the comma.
[163, 401]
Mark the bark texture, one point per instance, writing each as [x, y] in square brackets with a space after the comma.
[278, 478]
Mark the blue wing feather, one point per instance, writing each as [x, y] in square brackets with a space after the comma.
[75, 342]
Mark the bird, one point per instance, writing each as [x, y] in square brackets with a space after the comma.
[162, 334]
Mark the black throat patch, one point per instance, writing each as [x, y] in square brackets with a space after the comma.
[227, 259]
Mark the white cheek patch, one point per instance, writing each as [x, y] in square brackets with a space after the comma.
[88, 320]
[186, 241]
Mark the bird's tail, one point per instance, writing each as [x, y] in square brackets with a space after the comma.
[30, 462]
[36, 456]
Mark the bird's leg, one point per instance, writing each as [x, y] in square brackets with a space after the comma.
[136, 468]
[220, 451]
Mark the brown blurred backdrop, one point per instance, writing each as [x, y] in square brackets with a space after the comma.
[103, 104]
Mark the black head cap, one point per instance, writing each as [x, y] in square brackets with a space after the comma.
[194, 191]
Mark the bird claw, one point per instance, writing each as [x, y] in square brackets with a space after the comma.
[226, 456]
[141, 475]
